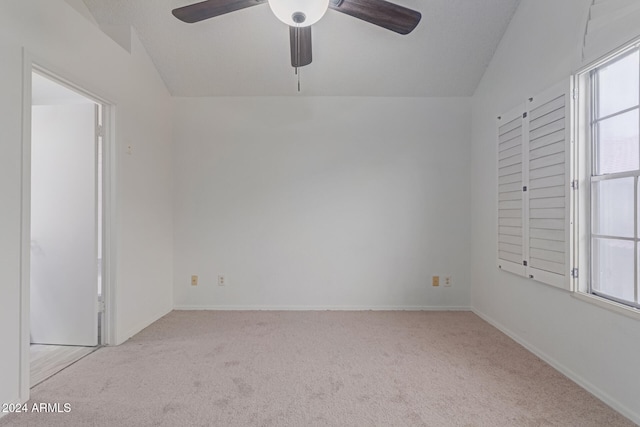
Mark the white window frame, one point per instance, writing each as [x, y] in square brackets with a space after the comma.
[581, 174]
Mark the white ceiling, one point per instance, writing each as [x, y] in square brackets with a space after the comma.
[246, 53]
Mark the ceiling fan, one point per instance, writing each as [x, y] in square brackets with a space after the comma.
[301, 14]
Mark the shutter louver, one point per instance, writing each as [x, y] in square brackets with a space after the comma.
[534, 197]
[548, 195]
[611, 24]
[510, 198]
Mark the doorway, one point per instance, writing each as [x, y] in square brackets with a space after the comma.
[66, 295]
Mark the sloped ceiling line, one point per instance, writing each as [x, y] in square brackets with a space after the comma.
[246, 53]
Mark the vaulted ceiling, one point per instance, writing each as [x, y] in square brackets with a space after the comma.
[246, 53]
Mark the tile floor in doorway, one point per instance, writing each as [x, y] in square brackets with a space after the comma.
[47, 360]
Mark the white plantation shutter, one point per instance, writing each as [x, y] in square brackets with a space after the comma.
[611, 24]
[534, 189]
[549, 188]
[510, 195]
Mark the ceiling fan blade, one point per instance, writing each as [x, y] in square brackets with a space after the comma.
[300, 40]
[210, 8]
[381, 13]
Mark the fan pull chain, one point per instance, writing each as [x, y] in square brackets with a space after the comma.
[298, 53]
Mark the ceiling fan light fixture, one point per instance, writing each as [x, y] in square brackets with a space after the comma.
[299, 13]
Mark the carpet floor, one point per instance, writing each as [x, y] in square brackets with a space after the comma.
[315, 369]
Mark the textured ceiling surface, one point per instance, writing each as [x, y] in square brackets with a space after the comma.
[246, 53]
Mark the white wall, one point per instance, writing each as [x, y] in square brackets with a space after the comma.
[321, 202]
[82, 9]
[595, 347]
[64, 41]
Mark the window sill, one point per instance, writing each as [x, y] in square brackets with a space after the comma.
[608, 305]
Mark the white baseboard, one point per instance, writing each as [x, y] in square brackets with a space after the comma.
[122, 337]
[318, 308]
[613, 403]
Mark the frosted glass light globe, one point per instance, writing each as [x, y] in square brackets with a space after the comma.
[299, 13]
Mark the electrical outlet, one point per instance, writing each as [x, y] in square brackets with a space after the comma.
[447, 281]
[435, 281]
[221, 281]
[194, 280]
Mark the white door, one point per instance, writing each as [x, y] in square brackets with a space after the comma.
[64, 229]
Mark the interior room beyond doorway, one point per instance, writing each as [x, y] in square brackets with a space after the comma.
[66, 227]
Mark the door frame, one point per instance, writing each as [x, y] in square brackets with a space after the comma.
[109, 272]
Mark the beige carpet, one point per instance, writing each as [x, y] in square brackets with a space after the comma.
[316, 369]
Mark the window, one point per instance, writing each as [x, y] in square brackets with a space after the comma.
[607, 170]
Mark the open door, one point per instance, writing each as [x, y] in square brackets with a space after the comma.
[64, 223]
